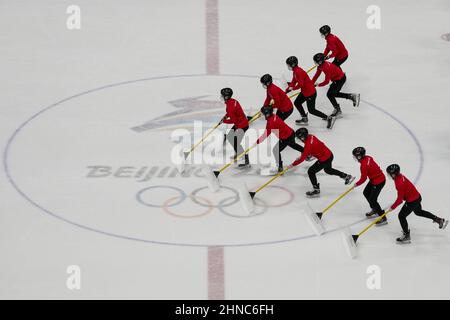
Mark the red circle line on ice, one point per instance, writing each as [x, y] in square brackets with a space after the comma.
[22, 193]
[167, 203]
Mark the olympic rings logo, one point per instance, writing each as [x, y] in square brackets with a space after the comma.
[261, 206]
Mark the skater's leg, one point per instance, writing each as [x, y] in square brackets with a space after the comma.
[277, 153]
[231, 138]
[331, 94]
[316, 167]
[284, 115]
[338, 86]
[339, 62]
[422, 213]
[311, 104]
[298, 103]
[240, 133]
[294, 145]
[405, 211]
[367, 191]
[280, 146]
[327, 165]
[373, 198]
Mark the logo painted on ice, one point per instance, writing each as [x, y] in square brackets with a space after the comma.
[446, 37]
[189, 110]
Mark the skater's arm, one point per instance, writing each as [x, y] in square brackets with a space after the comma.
[331, 47]
[267, 102]
[264, 136]
[316, 75]
[363, 175]
[301, 80]
[266, 133]
[300, 160]
[325, 82]
[305, 154]
[399, 200]
[327, 50]
[292, 84]
[227, 119]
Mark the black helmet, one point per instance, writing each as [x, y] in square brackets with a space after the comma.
[266, 79]
[325, 30]
[359, 152]
[393, 169]
[319, 58]
[226, 93]
[301, 133]
[267, 110]
[292, 61]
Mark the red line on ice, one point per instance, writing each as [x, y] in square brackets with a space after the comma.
[216, 263]
[212, 36]
[216, 273]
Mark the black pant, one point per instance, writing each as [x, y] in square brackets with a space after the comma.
[416, 207]
[283, 115]
[310, 103]
[327, 166]
[235, 137]
[371, 192]
[338, 62]
[282, 144]
[335, 91]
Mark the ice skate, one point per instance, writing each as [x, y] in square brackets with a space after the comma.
[406, 238]
[330, 122]
[349, 179]
[372, 214]
[314, 193]
[442, 223]
[355, 99]
[302, 122]
[337, 113]
[269, 171]
[383, 221]
[244, 163]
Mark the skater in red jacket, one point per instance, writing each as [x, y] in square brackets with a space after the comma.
[284, 133]
[337, 78]
[407, 192]
[317, 149]
[334, 45]
[370, 169]
[301, 80]
[235, 116]
[277, 98]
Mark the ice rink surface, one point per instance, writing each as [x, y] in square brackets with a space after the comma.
[87, 179]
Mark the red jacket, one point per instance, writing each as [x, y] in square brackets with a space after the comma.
[301, 80]
[283, 131]
[281, 100]
[314, 147]
[332, 72]
[335, 45]
[235, 115]
[370, 169]
[405, 191]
